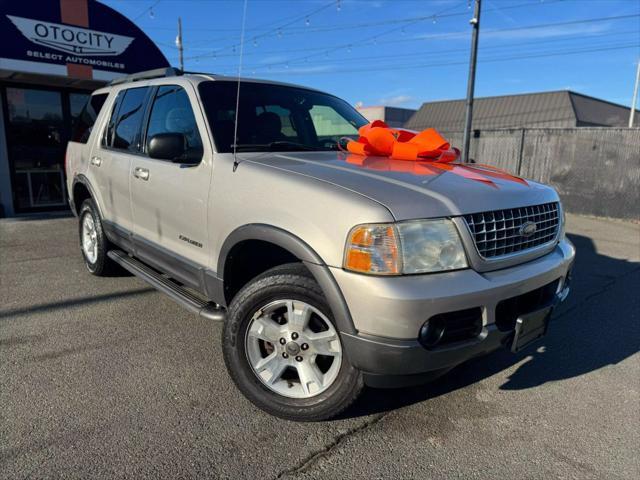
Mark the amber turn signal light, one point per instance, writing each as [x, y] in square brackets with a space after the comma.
[373, 248]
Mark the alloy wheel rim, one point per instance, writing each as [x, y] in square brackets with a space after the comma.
[293, 348]
[89, 238]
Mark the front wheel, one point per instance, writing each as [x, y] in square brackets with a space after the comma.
[283, 351]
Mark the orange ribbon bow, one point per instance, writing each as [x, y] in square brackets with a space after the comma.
[431, 153]
[378, 139]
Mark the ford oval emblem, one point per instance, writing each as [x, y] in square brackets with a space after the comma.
[527, 229]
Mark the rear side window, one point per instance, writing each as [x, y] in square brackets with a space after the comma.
[107, 138]
[172, 113]
[123, 131]
[84, 122]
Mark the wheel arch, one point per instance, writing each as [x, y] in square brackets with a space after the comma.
[81, 189]
[299, 250]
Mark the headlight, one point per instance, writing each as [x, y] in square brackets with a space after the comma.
[563, 222]
[430, 246]
[418, 246]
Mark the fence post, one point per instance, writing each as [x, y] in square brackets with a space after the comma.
[519, 170]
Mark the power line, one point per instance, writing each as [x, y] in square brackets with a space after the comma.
[435, 16]
[146, 10]
[463, 62]
[372, 39]
[288, 31]
[296, 61]
[422, 53]
[305, 16]
[262, 27]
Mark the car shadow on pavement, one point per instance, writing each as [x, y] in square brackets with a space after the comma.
[48, 307]
[597, 326]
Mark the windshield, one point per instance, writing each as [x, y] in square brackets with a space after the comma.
[276, 117]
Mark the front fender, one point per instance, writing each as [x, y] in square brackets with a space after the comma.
[300, 249]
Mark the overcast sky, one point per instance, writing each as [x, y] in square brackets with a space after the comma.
[406, 52]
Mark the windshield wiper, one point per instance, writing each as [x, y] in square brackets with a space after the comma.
[274, 146]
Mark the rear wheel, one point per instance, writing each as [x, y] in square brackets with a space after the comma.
[93, 242]
[283, 351]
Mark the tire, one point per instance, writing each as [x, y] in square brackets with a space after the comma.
[97, 262]
[335, 386]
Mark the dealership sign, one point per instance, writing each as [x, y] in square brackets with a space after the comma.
[51, 37]
[66, 38]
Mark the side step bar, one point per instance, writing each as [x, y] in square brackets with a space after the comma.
[182, 296]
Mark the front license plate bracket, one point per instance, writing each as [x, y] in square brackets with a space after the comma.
[530, 327]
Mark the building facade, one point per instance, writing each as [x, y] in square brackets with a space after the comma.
[52, 55]
[560, 109]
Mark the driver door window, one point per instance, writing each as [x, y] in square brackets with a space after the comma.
[172, 113]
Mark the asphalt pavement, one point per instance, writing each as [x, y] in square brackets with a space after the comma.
[106, 378]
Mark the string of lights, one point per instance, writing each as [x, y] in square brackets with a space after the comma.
[581, 37]
[369, 40]
[304, 60]
[277, 30]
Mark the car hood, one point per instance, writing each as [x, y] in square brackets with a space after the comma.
[413, 189]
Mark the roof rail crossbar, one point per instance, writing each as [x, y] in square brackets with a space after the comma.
[149, 74]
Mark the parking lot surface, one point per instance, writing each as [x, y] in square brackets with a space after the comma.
[106, 378]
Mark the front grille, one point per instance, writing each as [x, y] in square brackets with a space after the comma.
[499, 232]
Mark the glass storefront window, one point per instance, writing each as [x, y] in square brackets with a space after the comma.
[37, 129]
[77, 101]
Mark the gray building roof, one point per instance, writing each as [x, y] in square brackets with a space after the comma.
[547, 109]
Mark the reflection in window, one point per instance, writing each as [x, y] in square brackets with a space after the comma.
[329, 123]
[277, 117]
[172, 113]
[127, 126]
[77, 101]
[83, 122]
[35, 117]
[26, 105]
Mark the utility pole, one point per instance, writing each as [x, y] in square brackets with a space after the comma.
[475, 24]
[635, 96]
[179, 44]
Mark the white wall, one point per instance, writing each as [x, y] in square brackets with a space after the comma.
[372, 113]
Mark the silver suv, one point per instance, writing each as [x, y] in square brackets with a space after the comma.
[330, 271]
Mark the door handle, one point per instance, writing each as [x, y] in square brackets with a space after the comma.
[97, 161]
[141, 173]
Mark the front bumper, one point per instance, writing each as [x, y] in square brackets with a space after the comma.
[388, 312]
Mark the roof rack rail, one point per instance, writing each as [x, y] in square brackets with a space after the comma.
[147, 75]
[190, 72]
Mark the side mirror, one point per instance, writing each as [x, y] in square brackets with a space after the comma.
[167, 146]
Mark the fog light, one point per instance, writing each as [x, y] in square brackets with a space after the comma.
[432, 332]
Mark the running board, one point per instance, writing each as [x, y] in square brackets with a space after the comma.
[181, 295]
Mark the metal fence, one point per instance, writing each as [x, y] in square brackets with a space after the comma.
[595, 170]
